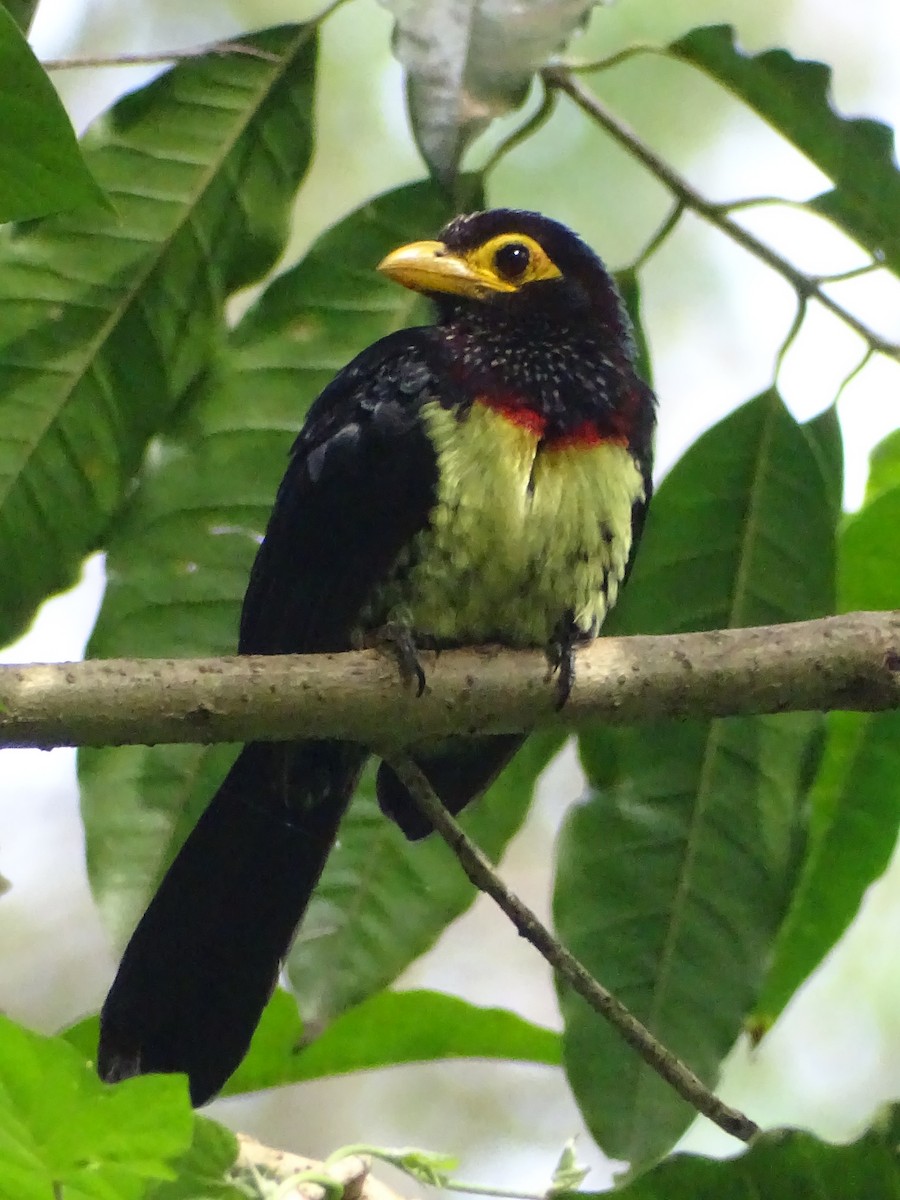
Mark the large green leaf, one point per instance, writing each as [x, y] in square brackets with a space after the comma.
[673, 876]
[202, 1173]
[105, 319]
[784, 1165]
[387, 1030]
[179, 561]
[856, 798]
[62, 1131]
[42, 169]
[792, 95]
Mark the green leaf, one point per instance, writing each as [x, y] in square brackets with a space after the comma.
[720, 547]
[856, 798]
[83, 1036]
[43, 171]
[62, 1131]
[180, 556]
[673, 877]
[202, 1173]
[629, 287]
[387, 1030]
[884, 467]
[106, 319]
[21, 11]
[793, 96]
[783, 1165]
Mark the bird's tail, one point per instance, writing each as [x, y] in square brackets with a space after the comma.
[205, 956]
[459, 770]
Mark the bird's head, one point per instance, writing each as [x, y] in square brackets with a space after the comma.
[520, 264]
[531, 319]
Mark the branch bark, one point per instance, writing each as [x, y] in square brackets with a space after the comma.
[848, 662]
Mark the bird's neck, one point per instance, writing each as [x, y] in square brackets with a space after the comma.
[556, 374]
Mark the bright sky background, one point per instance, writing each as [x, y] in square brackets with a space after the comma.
[836, 1054]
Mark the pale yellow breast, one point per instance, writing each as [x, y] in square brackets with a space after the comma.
[521, 533]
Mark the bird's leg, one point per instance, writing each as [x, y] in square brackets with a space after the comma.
[561, 659]
[398, 640]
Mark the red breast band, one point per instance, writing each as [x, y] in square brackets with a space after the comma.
[582, 437]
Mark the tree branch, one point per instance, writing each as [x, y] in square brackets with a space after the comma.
[654, 1053]
[807, 287]
[848, 662]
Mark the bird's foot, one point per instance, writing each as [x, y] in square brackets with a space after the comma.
[399, 641]
[561, 662]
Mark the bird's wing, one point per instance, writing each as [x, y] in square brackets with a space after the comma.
[359, 486]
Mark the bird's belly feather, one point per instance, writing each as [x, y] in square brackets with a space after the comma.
[521, 536]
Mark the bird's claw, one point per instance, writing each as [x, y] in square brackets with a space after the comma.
[561, 663]
[398, 641]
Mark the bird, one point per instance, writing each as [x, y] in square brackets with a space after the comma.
[481, 479]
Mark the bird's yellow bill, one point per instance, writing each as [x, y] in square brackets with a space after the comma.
[431, 267]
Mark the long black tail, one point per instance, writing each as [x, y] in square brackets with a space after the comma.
[205, 956]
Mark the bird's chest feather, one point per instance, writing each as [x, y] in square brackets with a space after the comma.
[524, 532]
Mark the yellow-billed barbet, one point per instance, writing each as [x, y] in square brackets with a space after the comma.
[481, 479]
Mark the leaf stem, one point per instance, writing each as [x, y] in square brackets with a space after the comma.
[596, 65]
[485, 1189]
[853, 372]
[656, 240]
[679, 1076]
[791, 335]
[534, 122]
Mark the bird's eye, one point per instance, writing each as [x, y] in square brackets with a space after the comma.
[512, 260]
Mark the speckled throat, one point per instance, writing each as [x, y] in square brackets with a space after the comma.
[567, 369]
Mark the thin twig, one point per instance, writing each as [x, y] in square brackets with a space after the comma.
[853, 372]
[806, 286]
[680, 1077]
[656, 239]
[852, 272]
